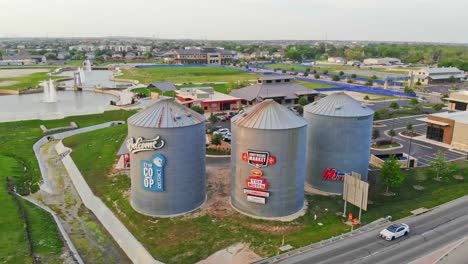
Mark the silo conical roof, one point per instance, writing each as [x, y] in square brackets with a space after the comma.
[340, 105]
[166, 113]
[268, 115]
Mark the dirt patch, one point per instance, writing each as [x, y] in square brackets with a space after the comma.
[218, 192]
[14, 73]
[7, 83]
[235, 254]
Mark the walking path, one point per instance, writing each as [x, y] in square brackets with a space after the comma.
[129, 244]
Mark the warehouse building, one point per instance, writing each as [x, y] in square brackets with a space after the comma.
[338, 141]
[448, 128]
[280, 88]
[382, 61]
[199, 56]
[439, 75]
[166, 142]
[268, 161]
[458, 101]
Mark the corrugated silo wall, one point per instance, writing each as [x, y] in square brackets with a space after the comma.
[285, 178]
[340, 143]
[184, 171]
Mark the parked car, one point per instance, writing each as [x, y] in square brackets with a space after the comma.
[395, 231]
[221, 118]
[222, 131]
[232, 114]
[227, 137]
[228, 117]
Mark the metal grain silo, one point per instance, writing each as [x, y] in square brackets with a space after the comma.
[339, 138]
[268, 161]
[167, 152]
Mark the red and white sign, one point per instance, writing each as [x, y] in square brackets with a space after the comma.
[257, 193]
[255, 199]
[333, 175]
[258, 158]
[257, 183]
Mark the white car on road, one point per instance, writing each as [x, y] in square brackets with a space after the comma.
[394, 231]
[222, 131]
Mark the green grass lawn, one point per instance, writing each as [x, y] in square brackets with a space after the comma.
[186, 74]
[18, 162]
[30, 81]
[167, 239]
[315, 85]
[13, 242]
[146, 91]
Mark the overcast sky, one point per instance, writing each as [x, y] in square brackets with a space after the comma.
[399, 20]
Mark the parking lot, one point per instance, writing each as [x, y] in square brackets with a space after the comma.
[425, 152]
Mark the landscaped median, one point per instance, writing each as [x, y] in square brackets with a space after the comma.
[193, 237]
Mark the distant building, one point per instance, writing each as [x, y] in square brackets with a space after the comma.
[458, 101]
[208, 99]
[164, 86]
[22, 59]
[353, 63]
[449, 128]
[439, 75]
[382, 61]
[280, 88]
[199, 56]
[337, 60]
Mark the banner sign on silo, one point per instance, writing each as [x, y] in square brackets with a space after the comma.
[140, 144]
[152, 173]
[255, 199]
[258, 158]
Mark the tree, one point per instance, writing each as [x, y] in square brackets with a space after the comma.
[213, 119]
[391, 133]
[409, 91]
[413, 101]
[375, 134]
[314, 71]
[306, 74]
[374, 77]
[198, 109]
[325, 72]
[437, 107]
[353, 75]
[335, 78]
[409, 129]
[300, 109]
[349, 81]
[391, 173]
[440, 167]
[341, 73]
[394, 105]
[303, 101]
[216, 139]
[316, 76]
[148, 55]
[452, 79]
[369, 82]
[283, 71]
[366, 97]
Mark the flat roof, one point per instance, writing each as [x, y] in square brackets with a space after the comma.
[458, 117]
[427, 120]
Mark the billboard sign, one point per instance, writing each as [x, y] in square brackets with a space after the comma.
[257, 183]
[140, 144]
[152, 173]
[255, 199]
[256, 193]
[333, 175]
[356, 191]
[258, 158]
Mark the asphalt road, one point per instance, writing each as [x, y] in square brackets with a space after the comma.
[428, 232]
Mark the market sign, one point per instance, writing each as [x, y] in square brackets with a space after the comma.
[139, 144]
[257, 183]
[258, 158]
[333, 175]
[152, 173]
[255, 199]
[256, 193]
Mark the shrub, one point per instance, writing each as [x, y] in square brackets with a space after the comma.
[353, 75]
[366, 97]
[336, 78]
[316, 76]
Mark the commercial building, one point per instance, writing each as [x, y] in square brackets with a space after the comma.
[338, 141]
[22, 59]
[458, 101]
[439, 75]
[337, 60]
[166, 142]
[199, 56]
[382, 61]
[208, 99]
[280, 88]
[268, 161]
[449, 128]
